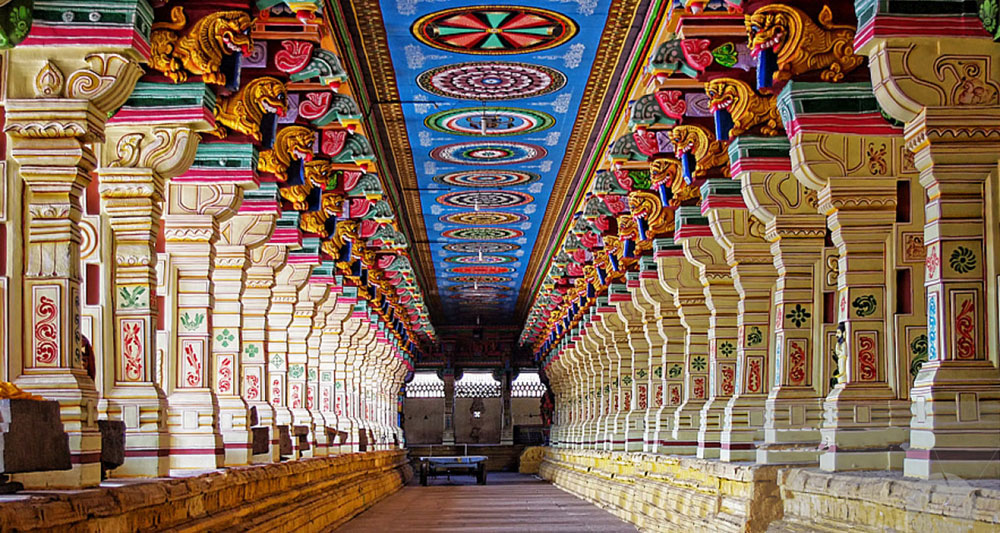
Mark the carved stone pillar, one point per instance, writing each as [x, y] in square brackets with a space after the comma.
[284, 296]
[140, 153]
[333, 336]
[194, 213]
[342, 378]
[51, 119]
[320, 366]
[609, 363]
[794, 408]
[749, 256]
[635, 365]
[674, 333]
[650, 400]
[722, 300]
[256, 302]
[681, 279]
[945, 89]
[855, 176]
[231, 349]
[616, 342]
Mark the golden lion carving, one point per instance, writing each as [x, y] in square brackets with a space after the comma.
[646, 205]
[291, 142]
[746, 108]
[708, 152]
[243, 111]
[801, 45]
[200, 51]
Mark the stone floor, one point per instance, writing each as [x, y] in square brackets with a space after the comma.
[507, 503]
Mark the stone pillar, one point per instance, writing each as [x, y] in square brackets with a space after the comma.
[51, 119]
[235, 304]
[139, 155]
[330, 380]
[342, 376]
[649, 377]
[793, 412]
[722, 300]
[635, 365]
[945, 89]
[507, 431]
[256, 302]
[680, 278]
[673, 333]
[616, 343]
[749, 256]
[855, 176]
[284, 296]
[320, 366]
[194, 213]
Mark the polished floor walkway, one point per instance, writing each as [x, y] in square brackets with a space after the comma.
[507, 503]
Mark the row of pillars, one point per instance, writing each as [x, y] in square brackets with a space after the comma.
[834, 304]
[216, 345]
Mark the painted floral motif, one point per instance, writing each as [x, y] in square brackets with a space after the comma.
[933, 262]
[252, 387]
[627, 380]
[962, 260]
[658, 372]
[226, 374]
[798, 316]
[225, 337]
[698, 387]
[276, 391]
[865, 305]
[251, 351]
[754, 375]
[728, 380]
[132, 349]
[192, 359]
[46, 331]
[918, 349]
[698, 363]
[277, 361]
[641, 373]
[965, 327]
[192, 323]
[675, 395]
[867, 365]
[755, 336]
[131, 299]
[876, 159]
[659, 396]
[494, 30]
[491, 80]
[727, 349]
[932, 327]
[796, 363]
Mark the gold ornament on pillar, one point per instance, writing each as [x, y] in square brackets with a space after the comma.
[644, 204]
[292, 142]
[746, 107]
[243, 111]
[800, 44]
[709, 153]
[201, 50]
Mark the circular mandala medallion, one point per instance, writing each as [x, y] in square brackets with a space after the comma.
[485, 247]
[483, 218]
[481, 270]
[485, 199]
[488, 153]
[494, 29]
[481, 279]
[487, 178]
[488, 80]
[489, 121]
[477, 260]
[484, 289]
[483, 234]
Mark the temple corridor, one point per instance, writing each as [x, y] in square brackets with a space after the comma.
[681, 266]
[509, 503]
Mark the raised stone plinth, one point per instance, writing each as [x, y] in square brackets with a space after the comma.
[32, 437]
[309, 495]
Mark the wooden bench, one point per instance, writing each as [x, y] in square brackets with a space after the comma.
[431, 466]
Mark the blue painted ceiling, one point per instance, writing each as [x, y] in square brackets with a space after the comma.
[490, 95]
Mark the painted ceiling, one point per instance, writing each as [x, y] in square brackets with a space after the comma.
[490, 95]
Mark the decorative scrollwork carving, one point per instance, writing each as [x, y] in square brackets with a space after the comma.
[201, 50]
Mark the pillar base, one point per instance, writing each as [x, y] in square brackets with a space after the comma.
[233, 417]
[195, 443]
[141, 408]
[861, 432]
[713, 414]
[742, 428]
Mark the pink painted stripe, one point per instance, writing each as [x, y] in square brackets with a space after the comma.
[323, 279]
[197, 451]
[632, 284]
[607, 309]
[669, 253]
[263, 206]
[43, 34]
[620, 298]
[216, 175]
[286, 236]
[648, 275]
[687, 232]
[861, 124]
[147, 453]
[161, 114]
[722, 203]
[887, 26]
[761, 164]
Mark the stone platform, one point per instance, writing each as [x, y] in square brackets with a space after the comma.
[670, 493]
[301, 496]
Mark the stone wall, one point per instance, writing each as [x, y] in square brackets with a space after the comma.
[670, 493]
[301, 496]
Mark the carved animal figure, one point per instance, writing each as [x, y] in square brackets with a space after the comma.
[746, 108]
[200, 51]
[709, 153]
[243, 111]
[800, 44]
[292, 142]
[318, 172]
[646, 205]
[298, 195]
